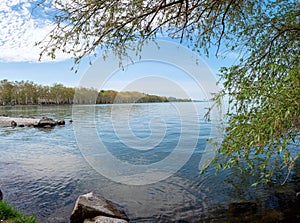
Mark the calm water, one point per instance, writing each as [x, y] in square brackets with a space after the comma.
[44, 170]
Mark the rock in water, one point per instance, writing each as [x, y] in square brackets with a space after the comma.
[1, 195]
[13, 124]
[46, 122]
[90, 206]
[30, 122]
[60, 122]
[103, 219]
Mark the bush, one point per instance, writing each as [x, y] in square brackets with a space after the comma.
[8, 213]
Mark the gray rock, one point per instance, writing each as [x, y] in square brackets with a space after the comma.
[103, 219]
[46, 122]
[60, 122]
[89, 206]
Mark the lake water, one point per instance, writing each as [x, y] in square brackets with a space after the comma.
[44, 170]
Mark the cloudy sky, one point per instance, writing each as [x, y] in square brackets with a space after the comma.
[24, 22]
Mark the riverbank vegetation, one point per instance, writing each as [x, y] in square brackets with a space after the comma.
[29, 93]
[9, 215]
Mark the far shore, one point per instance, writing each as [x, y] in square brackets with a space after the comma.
[49, 105]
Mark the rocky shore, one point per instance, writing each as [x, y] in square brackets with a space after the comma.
[90, 208]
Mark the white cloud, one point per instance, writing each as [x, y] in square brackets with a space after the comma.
[19, 30]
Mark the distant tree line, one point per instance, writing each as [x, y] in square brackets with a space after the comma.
[29, 93]
[110, 97]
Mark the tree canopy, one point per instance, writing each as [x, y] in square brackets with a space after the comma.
[263, 88]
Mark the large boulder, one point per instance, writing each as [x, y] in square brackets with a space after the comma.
[103, 219]
[89, 206]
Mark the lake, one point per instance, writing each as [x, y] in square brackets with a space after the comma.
[44, 170]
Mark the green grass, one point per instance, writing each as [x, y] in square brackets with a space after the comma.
[8, 213]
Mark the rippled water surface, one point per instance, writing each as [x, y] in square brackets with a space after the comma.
[43, 170]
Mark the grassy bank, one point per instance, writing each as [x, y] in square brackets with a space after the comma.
[9, 215]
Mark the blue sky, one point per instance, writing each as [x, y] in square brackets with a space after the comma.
[22, 24]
